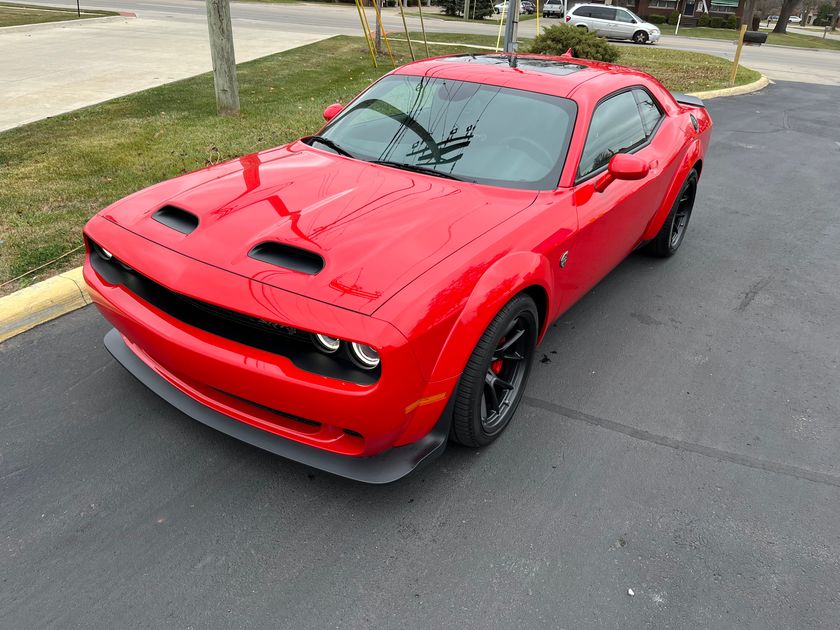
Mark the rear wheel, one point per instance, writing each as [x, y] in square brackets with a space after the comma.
[494, 378]
[672, 233]
[640, 37]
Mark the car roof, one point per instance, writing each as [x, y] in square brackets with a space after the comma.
[557, 76]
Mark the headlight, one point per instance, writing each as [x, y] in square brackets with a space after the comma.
[366, 356]
[103, 253]
[327, 344]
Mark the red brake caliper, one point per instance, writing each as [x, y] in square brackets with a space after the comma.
[496, 366]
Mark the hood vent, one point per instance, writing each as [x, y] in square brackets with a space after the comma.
[288, 257]
[177, 219]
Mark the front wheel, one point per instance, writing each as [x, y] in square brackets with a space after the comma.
[640, 37]
[494, 378]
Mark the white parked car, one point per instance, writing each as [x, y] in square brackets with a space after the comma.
[612, 22]
[552, 9]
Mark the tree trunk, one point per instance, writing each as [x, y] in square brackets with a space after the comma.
[834, 16]
[784, 14]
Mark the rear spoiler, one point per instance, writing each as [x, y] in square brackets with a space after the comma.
[687, 99]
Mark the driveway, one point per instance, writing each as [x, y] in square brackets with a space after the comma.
[45, 71]
[679, 438]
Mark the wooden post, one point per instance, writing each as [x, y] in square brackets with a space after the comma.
[738, 54]
[224, 62]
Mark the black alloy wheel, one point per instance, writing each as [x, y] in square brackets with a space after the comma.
[672, 233]
[495, 376]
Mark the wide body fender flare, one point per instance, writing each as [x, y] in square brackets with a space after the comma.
[501, 282]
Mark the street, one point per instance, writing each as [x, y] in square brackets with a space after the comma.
[679, 438]
[49, 71]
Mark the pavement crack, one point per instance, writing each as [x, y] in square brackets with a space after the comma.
[749, 296]
[681, 445]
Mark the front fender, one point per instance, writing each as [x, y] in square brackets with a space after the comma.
[504, 279]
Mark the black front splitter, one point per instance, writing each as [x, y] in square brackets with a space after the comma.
[387, 467]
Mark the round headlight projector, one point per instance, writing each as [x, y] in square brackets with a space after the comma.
[366, 356]
[328, 344]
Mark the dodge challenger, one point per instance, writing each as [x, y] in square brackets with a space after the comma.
[358, 298]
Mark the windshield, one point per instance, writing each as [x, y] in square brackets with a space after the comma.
[467, 131]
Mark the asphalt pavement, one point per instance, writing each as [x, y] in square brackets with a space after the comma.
[679, 438]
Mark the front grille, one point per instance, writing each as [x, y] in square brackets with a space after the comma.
[279, 339]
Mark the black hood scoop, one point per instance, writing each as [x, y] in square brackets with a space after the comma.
[177, 219]
[288, 257]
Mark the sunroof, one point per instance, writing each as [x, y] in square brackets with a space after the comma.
[548, 66]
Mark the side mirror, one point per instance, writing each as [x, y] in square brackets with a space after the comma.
[623, 166]
[332, 111]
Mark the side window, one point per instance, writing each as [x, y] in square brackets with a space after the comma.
[616, 127]
[583, 12]
[624, 16]
[602, 13]
[651, 114]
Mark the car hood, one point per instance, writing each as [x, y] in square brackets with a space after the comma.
[376, 228]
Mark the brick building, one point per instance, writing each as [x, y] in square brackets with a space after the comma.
[689, 8]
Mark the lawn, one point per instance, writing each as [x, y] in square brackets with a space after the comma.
[680, 70]
[797, 40]
[17, 14]
[58, 172]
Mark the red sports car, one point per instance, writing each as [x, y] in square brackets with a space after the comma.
[355, 299]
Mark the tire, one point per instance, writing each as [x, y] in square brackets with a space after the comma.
[583, 27]
[672, 233]
[497, 371]
[640, 37]
[545, 15]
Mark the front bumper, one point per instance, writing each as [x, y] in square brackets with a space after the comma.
[389, 466]
[260, 391]
[654, 36]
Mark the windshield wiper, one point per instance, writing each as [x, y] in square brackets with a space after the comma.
[418, 169]
[332, 145]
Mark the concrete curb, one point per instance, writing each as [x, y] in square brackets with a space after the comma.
[762, 83]
[40, 26]
[42, 302]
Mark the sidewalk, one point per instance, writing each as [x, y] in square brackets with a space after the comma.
[48, 71]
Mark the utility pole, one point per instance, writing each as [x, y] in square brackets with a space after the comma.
[511, 26]
[224, 62]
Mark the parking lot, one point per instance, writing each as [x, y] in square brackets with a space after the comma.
[679, 438]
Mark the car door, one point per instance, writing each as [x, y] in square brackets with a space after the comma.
[604, 19]
[612, 222]
[624, 25]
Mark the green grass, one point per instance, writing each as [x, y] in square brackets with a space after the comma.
[797, 40]
[58, 172]
[17, 14]
[679, 70]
